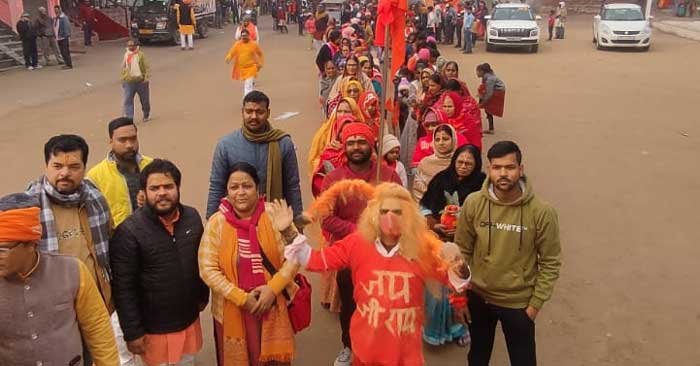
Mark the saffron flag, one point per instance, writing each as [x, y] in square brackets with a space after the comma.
[392, 13]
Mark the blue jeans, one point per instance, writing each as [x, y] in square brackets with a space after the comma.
[467, 41]
[130, 91]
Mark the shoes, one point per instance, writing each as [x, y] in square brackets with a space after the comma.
[344, 358]
[191, 48]
[30, 68]
[466, 52]
[488, 132]
[38, 67]
[182, 48]
[66, 67]
[146, 118]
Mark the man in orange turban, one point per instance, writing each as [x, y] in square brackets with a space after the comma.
[33, 331]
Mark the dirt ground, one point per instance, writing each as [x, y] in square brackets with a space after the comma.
[610, 138]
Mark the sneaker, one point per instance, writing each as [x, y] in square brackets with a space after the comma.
[146, 118]
[38, 67]
[66, 67]
[182, 48]
[344, 358]
[30, 68]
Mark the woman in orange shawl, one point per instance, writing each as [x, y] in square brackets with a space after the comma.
[349, 87]
[251, 322]
[328, 132]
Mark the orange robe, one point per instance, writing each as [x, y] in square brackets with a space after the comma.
[248, 58]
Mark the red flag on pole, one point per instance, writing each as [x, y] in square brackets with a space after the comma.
[393, 14]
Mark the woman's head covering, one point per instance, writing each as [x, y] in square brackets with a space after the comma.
[457, 100]
[389, 142]
[440, 63]
[447, 182]
[350, 83]
[452, 133]
[329, 131]
[367, 98]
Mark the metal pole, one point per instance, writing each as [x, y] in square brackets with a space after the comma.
[382, 101]
[647, 10]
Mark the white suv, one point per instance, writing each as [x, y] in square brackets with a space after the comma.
[512, 25]
[621, 25]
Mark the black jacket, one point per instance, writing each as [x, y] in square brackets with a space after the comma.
[26, 31]
[156, 284]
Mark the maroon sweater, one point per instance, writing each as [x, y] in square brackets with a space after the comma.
[345, 216]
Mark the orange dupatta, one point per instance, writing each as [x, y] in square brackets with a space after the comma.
[277, 336]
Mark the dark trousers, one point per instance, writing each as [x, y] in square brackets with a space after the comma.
[518, 329]
[347, 303]
[474, 38]
[29, 50]
[87, 34]
[449, 33]
[300, 22]
[438, 34]
[458, 30]
[551, 32]
[64, 46]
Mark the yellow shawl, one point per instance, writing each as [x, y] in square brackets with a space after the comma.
[277, 339]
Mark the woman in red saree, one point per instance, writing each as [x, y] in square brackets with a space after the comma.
[459, 113]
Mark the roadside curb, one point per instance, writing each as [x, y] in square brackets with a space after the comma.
[679, 29]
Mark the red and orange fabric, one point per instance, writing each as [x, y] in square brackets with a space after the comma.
[496, 104]
[392, 13]
[20, 225]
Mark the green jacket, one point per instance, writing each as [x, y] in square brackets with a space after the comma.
[513, 249]
[143, 66]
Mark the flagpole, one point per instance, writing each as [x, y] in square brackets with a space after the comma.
[382, 100]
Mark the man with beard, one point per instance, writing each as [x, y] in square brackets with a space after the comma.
[510, 239]
[117, 176]
[358, 140]
[269, 150]
[157, 289]
[47, 299]
[75, 217]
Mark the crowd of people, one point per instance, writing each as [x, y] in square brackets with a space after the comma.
[422, 241]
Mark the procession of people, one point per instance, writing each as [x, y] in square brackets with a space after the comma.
[428, 234]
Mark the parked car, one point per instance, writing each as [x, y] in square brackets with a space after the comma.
[512, 25]
[621, 25]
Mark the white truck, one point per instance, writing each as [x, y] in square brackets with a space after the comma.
[512, 25]
[154, 20]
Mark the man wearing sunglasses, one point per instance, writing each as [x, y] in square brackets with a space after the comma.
[48, 299]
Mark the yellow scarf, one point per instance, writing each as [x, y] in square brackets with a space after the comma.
[277, 336]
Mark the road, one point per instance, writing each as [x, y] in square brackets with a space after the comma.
[611, 139]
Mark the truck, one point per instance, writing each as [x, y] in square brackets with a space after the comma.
[155, 20]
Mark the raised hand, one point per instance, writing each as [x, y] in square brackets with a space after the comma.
[281, 215]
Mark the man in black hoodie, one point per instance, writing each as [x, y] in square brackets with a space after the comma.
[27, 35]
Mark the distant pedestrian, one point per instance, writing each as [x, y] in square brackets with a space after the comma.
[467, 30]
[252, 29]
[186, 23]
[88, 20]
[247, 61]
[61, 26]
[551, 21]
[46, 38]
[134, 77]
[492, 94]
[27, 34]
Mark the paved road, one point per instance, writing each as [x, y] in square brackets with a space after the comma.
[610, 138]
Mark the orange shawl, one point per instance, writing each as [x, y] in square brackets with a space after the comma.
[277, 335]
